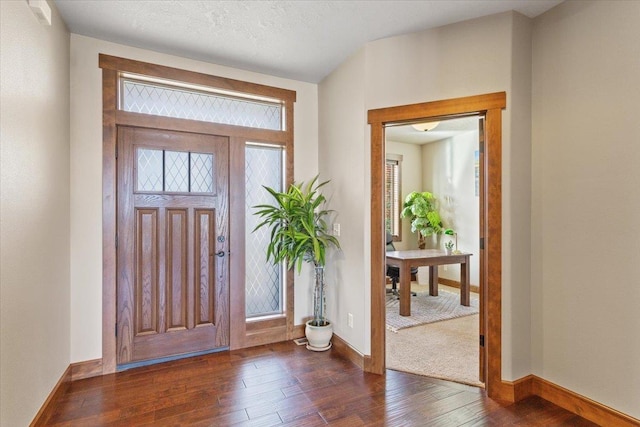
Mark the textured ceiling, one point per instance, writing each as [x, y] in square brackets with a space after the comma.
[301, 40]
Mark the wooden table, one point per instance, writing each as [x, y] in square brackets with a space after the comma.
[432, 258]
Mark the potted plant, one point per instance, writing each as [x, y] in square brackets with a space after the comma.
[448, 246]
[299, 233]
[425, 219]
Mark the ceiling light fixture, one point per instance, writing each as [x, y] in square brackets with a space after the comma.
[424, 127]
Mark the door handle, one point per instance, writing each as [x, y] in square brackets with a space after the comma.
[220, 254]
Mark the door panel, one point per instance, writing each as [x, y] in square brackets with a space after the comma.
[172, 289]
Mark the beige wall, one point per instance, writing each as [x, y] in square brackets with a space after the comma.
[449, 173]
[34, 254]
[469, 58]
[86, 175]
[586, 133]
[342, 128]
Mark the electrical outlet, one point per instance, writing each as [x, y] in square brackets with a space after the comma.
[350, 320]
[445, 267]
[336, 229]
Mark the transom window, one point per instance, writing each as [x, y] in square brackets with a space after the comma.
[166, 98]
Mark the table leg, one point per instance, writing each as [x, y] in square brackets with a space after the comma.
[433, 280]
[464, 283]
[405, 290]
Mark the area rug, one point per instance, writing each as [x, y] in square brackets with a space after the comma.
[428, 309]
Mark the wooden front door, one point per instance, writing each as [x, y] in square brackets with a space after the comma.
[172, 243]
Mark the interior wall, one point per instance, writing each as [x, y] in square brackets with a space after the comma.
[410, 180]
[449, 173]
[468, 58]
[86, 175]
[342, 127]
[585, 293]
[34, 230]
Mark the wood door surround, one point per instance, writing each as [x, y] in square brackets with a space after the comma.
[490, 108]
[173, 276]
[241, 332]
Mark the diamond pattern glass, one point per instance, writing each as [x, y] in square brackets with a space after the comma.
[149, 170]
[176, 171]
[147, 98]
[201, 173]
[264, 281]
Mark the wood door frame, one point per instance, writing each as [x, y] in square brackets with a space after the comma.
[490, 106]
[242, 333]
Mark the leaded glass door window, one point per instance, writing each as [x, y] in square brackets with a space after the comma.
[264, 286]
[173, 171]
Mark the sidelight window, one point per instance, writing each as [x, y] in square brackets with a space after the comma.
[264, 286]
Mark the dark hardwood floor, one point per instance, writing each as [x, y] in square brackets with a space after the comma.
[283, 384]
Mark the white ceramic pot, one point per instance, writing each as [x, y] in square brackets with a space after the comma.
[319, 337]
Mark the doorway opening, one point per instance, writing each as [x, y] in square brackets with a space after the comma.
[489, 107]
[440, 337]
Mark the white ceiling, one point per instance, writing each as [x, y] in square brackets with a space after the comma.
[300, 40]
[445, 129]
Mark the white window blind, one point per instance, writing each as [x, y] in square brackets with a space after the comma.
[392, 197]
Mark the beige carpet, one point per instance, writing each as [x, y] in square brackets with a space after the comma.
[447, 349]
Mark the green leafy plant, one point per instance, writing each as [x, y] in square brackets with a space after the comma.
[421, 208]
[449, 245]
[299, 232]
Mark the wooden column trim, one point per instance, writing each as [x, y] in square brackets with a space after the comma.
[493, 251]
[376, 364]
[109, 107]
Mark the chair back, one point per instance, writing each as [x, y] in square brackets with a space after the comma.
[390, 246]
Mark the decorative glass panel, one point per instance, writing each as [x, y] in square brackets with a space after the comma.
[149, 169]
[176, 171]
[201, 173]
[264, 281]
[158, 100]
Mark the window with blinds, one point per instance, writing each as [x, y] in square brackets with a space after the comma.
[392, 196]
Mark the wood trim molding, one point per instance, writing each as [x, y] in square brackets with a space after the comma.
[456, 284]
[56, 393]
[343, 348]
[298, 331]
[86, 369]
[581, 405]
[490, 107]
[532, 385]
[148, 69]
[468, 105]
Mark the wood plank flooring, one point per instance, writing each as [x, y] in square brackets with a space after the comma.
[286, 385]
